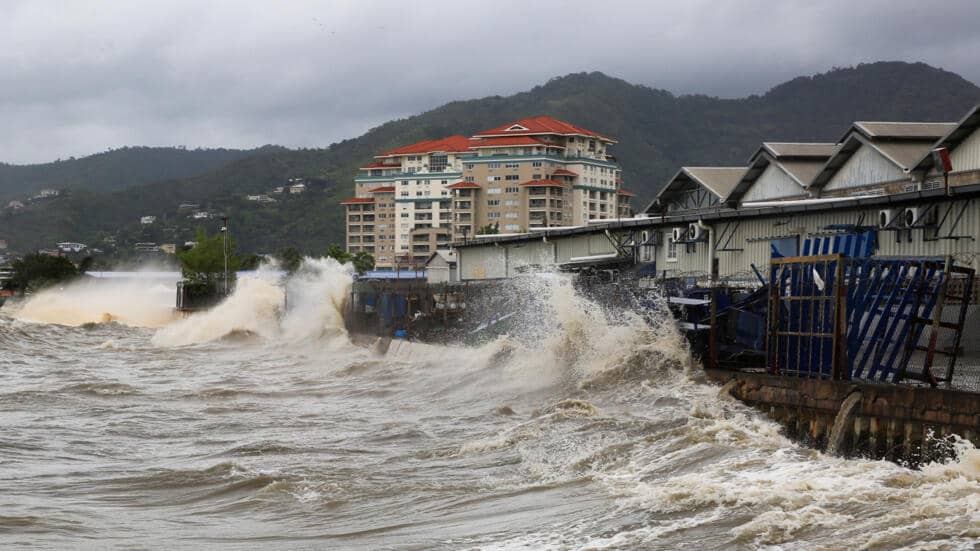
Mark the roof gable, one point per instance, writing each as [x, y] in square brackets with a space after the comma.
[541, 125]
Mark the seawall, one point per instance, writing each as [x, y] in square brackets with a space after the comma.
[897, 422]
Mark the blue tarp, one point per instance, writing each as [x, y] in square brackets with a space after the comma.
[391, 274]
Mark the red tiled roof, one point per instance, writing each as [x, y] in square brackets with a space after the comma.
[541, 125]
[382, 189]
[544, 183]
[452, 144]
[511, 140]
[379, 164]
[463, 185]
[626, 193]
[563, 172]
[357, 200]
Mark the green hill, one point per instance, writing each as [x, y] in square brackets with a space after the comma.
[115, 169]
[657, 131]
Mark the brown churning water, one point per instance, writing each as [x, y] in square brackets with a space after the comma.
[253, 427]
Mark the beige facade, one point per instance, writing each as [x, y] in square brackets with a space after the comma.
[533, 173]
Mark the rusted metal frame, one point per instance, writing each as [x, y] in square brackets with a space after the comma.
[937, 319]
[961, 322]
[802, 259]
[839, 359]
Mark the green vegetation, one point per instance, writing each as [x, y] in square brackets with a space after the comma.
[36, 271]
[489, 229]
[205, 262]
[362, 261]
[657, 132]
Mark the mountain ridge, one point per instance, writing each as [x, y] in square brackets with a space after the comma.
[657, 131]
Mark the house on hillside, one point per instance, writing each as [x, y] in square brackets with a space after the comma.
[47, 193]
[15, 205]
[261, 198]
[201, 215]
[186, 207]
[296, 189]
[70, 247]
[147, 220]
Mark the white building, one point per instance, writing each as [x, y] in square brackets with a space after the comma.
[69, 247]
[147, 220]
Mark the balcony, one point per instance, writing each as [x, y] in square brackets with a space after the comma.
[354, 218]
[464, 205]
[420, 249]
[369, 218]
[353, 229]
[537, 192]
[464, 217]
[538, 203]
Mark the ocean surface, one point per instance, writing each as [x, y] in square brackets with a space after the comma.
[254, 426]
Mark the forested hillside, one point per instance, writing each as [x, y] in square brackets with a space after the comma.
[115, 169]
[657, 131]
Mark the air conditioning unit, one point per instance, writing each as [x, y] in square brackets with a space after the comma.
[886, 216]
[911, 217]
[677, 235]
[693, 232]
[917, 217]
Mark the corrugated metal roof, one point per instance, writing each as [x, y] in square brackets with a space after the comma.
[905, 154]
[953, 138]
[794, 149]
[904, 130]
[802, 171]
[720, 180]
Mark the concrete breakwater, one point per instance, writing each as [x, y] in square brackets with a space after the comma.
[897, 422]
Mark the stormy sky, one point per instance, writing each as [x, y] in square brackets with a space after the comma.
[81, 77]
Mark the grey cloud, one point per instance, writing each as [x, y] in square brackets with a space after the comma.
[80, 77]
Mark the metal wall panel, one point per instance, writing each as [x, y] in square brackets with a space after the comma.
[773, 183]
[966, 156]
[865, 167]
[747, 241]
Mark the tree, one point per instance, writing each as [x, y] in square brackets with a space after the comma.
[35, 271]
[489, 229]
[337, 253]
[205, 261]
[363, 261]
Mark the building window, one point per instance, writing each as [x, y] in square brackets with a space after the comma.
[536, 164]
[404, 182]
[511, 215]
[512, 177]
[512, 190]
[536, 177]
[469, 166]
[512, 165]
[437, 163]
[470, 179]
[671, 250]
[591, 145]
[512, 227]
[511, 202]
[493, 202]
[493, 190]
[493, 215]
[493, 165]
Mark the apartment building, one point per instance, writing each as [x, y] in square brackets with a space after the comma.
[403, 190]
[533, 173]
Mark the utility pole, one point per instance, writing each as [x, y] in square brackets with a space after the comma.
[224, 238]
